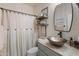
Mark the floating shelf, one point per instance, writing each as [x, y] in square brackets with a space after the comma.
[44, 24]
[41, 18]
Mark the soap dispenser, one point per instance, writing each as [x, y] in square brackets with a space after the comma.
[71, 41]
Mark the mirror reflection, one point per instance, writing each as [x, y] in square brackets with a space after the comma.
[63, 17]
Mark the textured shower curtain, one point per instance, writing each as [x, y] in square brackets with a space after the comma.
[19, 33]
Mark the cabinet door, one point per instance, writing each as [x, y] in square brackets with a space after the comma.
[47, 51]
[40, 53]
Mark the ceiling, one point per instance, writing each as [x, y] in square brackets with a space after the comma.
[36, 4]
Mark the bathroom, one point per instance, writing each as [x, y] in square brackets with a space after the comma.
[22, 35]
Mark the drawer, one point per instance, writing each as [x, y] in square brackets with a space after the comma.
[47, 51]
[40, 53]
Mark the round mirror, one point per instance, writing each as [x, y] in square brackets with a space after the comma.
[63, 17]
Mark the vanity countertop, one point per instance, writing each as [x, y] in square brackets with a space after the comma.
[65, 50]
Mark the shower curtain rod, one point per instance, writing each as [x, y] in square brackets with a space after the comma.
[17, 11]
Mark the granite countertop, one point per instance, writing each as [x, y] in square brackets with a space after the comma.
[65, 50]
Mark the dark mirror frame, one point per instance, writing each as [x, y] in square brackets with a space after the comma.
[71, 21]
[77, 4]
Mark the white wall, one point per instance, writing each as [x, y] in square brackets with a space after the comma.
[50, 28]
[38, 7]
[18, 7]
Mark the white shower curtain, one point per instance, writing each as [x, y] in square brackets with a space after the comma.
[19, 33]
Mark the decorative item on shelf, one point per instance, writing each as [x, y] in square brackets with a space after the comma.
[43, 15]
[45, 12]
[43, 23]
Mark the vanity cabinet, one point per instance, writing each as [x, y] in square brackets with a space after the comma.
[45, 51]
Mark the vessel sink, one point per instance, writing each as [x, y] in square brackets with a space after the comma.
[56, 41]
